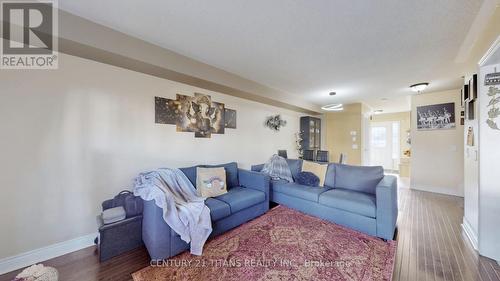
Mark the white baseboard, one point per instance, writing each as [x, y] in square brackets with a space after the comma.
[470, 233]
[42, 254]
[440, 190]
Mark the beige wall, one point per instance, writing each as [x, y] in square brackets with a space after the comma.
[484, 41]
[437, 156]
[73, 137]
[338, 133]
[404, 123]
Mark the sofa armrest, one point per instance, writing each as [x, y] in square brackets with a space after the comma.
[257, 168]
[387, 207]
[254, 180]
[156, 233]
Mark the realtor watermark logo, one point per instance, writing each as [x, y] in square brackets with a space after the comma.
[29, 33]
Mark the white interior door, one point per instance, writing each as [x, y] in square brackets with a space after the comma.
[384, 145]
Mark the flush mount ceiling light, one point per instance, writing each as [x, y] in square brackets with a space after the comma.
[333, 93]
[333, 107]
[419, 87]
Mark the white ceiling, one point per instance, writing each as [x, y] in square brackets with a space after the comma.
[363, 50]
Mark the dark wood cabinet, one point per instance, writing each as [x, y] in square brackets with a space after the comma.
[311, 132]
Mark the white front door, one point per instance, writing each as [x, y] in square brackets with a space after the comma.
[384, 145]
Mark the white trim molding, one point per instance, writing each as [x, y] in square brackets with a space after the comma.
[470, 233]
[490, 52]
[436, 189]
[42, 254]
[480, 22]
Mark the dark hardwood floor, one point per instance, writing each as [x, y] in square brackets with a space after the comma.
[431, 246]
[431, 243]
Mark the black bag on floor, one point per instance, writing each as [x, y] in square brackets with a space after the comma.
[125, 235]
[132, 204]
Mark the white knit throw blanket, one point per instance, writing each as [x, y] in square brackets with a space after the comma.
[183, 210]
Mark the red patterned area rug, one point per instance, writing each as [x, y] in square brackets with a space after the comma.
[282, 244]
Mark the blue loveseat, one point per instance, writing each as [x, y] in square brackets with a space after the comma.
[359, 197]
[247, 198]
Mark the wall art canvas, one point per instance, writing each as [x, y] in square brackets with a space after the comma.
[230, 118]
[166, 111]
[218, 120]
[436, 117]
[197, 114]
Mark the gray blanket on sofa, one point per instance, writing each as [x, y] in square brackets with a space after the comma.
[183, 210]
[277, 168]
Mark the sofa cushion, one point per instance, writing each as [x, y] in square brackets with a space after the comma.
[190, 173]
[351, 201]
[358, 178]
[299, 191]
[211, 182]
[218, 209]
[317, 169]
[295, 166]
[330, 175]
[307, 178]
[239, 198]
[231, 172]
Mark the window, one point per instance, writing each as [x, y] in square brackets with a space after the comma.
[379, 137]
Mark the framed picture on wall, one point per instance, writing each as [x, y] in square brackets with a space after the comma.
[470, 98]
[473, 91]
[436, 117]
[465, 95]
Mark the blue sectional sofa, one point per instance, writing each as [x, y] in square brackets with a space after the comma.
[359, 197]
[247, 198]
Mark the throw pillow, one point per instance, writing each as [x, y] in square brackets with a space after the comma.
[211, 182]
[307, 178]
[277, 168]
[318, 169]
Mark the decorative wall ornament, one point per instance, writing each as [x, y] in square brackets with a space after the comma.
[436, 117]
[275, 122]
[494, 110]
[408, 137]
[198, 114]
[492, 79]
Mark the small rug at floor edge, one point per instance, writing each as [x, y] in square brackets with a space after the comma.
[282, 244]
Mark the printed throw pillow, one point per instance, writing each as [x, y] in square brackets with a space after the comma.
[318, 169]
[211, 182]
[307, 178]
[277, 168]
